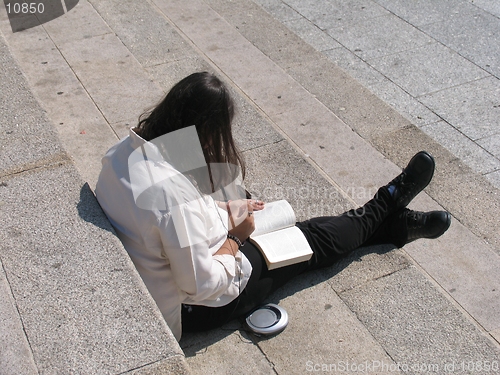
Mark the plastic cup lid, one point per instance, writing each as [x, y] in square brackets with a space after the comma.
[268, 319]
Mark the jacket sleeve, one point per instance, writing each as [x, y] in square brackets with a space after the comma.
[198, 274]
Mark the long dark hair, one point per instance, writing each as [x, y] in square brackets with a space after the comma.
[200, 99]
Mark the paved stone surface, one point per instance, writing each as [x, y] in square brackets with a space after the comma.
[474, 37]
[15, 353]
[63, 262]
[322, 330]
[218, 352]
[404, 49]
[483, 97]
[407, 67]
[386, 37]
[470, 277]
[419, 13]
[82, 129]
[442, 336]
[72, 301]
[270, 179]
[466, 149]
[138, 22]
[27, 135]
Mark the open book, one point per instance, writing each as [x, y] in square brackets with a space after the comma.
[277, 237]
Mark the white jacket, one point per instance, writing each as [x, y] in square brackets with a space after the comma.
[172, 241]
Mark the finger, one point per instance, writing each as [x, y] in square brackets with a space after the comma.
[245, 209]
[237, 208]
[235, 214]
[240, 215]
[252, 222]
[258, 205]
[231, 222]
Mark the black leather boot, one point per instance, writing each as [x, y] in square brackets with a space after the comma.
[414, 178]
[407, 225]
[425, 224]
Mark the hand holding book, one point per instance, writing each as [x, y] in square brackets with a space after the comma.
[241, 220]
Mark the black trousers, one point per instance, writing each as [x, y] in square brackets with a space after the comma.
[330, 239]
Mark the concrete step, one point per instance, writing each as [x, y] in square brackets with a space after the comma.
[71, 299]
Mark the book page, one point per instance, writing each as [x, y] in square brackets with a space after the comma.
[275, 215]
[286, 246]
